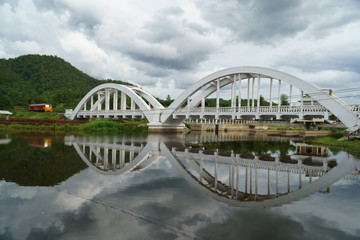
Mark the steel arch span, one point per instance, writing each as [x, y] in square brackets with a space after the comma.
[213, 82]
[150, 109]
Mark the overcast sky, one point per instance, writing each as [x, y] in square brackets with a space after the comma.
[165, 46]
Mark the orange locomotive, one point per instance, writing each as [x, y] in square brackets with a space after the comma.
[43, 107]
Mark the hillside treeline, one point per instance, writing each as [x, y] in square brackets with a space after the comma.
[43, 79]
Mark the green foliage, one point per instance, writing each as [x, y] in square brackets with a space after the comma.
[95, 126]
[284, 99]
[165, 102]
[102, 126]
[337, 134]
[43, 79]
[36, 115]
[34, 166]
[110, 127]
[211, 102]
[352, 145]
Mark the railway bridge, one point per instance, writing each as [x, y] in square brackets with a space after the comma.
[245, 87]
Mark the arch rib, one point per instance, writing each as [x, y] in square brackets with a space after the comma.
[144, 107]
[330, 102]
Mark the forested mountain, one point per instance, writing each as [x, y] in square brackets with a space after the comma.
[43, 79]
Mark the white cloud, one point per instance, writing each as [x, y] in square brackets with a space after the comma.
[159, 44]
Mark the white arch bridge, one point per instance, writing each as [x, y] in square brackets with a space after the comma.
[244, 86]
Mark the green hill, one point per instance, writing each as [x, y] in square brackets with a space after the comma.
[43, 79]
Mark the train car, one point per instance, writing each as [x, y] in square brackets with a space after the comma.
[43, 107]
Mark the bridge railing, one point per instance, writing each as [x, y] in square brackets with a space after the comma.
[111, 112]
[261, 109]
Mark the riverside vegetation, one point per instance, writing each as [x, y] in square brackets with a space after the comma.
[94, 126]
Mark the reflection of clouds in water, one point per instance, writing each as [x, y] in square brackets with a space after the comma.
[91, 184]
[13, 190]
[337, 209]
[159, 192]
[147, 191]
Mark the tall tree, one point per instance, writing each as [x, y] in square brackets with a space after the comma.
[284, 99]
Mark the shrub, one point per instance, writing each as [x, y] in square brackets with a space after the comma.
[337, 134]
[103, 126]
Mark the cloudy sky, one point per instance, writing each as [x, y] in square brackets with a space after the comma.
[165, 46]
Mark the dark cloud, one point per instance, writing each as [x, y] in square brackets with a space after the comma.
[313, 61]
[185, 62]
[174, 42]
[257, 21]
[77, 18]
[268, 22]
[46, 5]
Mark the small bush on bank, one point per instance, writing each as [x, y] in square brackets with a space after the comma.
[102, 126]
[337, 134]
[110, 127]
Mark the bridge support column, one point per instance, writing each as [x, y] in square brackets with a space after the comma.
[99, 105]
[217, 95]
[115, 100]
[248, 95]
[233, 92]
[253, 95]
[326, 115]
[258, 96]
[271, 87]
[113, 159]
[279, 94]
[123, 101]
[107, 99]
[132, 105]
[202, 100]
[301, 106]
[239, 98]
[106, 158]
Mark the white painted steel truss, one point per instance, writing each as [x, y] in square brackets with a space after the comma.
[191, 103]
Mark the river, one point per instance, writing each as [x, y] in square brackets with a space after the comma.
[194, 186]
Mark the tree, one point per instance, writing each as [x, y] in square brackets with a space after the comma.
[168, 98]
[263, 102]
[284, 99]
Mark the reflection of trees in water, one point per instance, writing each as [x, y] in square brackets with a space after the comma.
[33, 166]
[258, 147]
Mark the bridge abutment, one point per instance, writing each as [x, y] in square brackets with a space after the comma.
[158, 127]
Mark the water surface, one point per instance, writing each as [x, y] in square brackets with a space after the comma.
[175, 187]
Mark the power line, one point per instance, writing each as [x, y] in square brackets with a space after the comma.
[129, 212]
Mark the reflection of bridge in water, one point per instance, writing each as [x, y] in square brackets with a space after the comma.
[225, 176]
[234, 136]
[114, 156]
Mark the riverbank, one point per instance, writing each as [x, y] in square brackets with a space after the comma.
[336, 142]
[67, 126]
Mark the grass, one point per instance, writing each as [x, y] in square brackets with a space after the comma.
[37, 115]
[352, 145]
[285, 128]
[94, 126]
